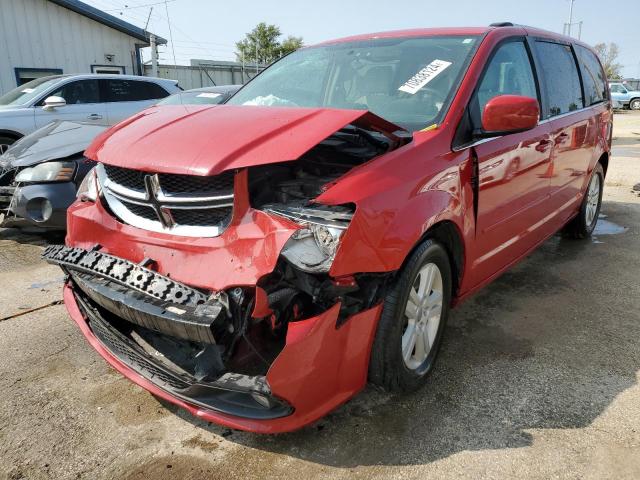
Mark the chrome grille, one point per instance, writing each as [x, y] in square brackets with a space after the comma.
[185, 205]
[172, 184]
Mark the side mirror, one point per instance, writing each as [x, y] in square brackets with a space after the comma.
[53, 102]
[509, 114]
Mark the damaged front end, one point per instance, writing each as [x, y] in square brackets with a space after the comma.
[7, 189]
[241, 323]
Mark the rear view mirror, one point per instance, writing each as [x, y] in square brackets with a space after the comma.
[509, 114]
[53, 102]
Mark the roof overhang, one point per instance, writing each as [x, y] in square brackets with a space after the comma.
[108, 20]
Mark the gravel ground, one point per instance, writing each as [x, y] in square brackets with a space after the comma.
[538, 378]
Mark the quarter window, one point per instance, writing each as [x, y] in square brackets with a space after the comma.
[559, 75]
[133, 91]
[593, 77]
[509, 73]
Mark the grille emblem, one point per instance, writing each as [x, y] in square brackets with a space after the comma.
[185, 205]
[152, 187]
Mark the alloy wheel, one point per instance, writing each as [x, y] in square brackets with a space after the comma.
[423, 313]
[635, 105]
[593, 199]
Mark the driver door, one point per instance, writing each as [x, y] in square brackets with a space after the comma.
[83, 104]
[513, 169]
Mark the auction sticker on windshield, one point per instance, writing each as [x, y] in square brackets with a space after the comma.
[424, 76]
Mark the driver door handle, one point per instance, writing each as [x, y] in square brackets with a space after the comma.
[543, 146]
[95, 116]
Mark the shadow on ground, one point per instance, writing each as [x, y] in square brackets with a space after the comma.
[30, 235]
[548, 345]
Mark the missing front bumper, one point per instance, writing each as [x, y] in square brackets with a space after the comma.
[231, 394]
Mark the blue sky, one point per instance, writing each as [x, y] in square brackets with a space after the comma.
[209, 28]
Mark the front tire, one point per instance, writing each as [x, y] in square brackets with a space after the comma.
[413, 319]
[634, 104]
[583, 225]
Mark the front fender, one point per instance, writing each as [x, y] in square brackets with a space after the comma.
[388, 224]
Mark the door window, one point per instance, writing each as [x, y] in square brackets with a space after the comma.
[559, 75]
[78, 93]
[618, 89]
[593, 77]
[509, 73]
[133, 91]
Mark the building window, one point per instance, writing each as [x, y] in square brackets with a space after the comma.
[108, 69]
[25, 75]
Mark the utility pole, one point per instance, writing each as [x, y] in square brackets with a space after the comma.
[570, 17]
[257, 44]
[154, 55]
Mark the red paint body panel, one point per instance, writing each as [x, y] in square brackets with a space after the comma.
[529, 185]
[239, 257]
[314, 344]
[221, 137]
[414, 32]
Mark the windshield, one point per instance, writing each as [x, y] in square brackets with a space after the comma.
[194, 98]
[27, 92]
[408, 81]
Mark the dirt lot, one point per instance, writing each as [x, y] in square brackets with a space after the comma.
[538, 378]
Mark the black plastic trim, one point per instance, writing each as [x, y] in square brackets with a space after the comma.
[231, 394]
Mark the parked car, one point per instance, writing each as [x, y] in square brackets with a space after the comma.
[628, 98]
[40, 174]
[257, 262]
[202, 96]
[93, 98]
[28, 194]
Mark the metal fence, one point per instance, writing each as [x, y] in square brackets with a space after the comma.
[202, 73]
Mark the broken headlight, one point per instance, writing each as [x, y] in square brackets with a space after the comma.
[313, 247]
[89, 190]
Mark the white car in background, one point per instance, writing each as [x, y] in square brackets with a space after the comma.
[103, 99]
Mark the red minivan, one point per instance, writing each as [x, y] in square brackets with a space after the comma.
[258, 262]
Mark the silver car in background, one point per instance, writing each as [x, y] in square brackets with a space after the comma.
[101, 99]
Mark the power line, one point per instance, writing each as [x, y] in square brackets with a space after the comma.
[127, 7]
[166, 7]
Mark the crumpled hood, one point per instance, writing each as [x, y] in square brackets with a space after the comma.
[206, 140]
[57, 140]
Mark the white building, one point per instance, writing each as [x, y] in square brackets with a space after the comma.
[47, 37]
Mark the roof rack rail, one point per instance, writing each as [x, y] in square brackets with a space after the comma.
[501, 24]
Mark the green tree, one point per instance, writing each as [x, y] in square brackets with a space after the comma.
[290, 44]
[262, 44]
[608, 54]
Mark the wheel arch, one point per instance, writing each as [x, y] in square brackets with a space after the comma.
[11, 134]
[604, 161]
[447, 233]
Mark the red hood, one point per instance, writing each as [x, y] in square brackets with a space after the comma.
[205, 140]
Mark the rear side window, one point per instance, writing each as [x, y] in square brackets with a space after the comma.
[509, 73]
[595, 90]
[559, 75]
[618, 89]
[133, 91]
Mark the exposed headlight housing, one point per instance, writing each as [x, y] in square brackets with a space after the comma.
[47, 172]
[313, 248]
[89, 190]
